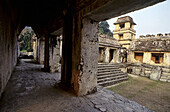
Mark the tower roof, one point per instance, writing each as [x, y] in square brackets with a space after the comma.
[124, 20]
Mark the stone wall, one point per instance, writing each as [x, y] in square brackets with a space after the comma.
[151, 44]
[147, 58]
[161, 73]
[8, 52]
[109, 43]
[55, 55]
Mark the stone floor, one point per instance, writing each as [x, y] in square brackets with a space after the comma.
[31, 90]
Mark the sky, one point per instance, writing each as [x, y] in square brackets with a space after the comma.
[151, 20]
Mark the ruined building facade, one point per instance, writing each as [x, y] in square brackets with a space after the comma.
[147, 55]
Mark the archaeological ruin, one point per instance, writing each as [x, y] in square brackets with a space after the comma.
[78, 50]
[146, 56]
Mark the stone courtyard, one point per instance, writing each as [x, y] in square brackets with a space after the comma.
[31, 90]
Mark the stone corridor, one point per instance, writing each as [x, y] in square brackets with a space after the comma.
[31, 90]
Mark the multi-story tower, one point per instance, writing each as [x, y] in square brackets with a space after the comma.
[124, 31]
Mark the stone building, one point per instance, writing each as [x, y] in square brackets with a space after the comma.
[109, 49]
[150, 50]
[148, 55]
[124, 31]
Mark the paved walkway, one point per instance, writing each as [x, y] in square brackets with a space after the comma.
[31, 90]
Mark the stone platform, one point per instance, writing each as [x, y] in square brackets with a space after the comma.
[31, 90]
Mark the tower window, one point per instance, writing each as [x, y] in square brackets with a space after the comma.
[122, 26]
[120, 36]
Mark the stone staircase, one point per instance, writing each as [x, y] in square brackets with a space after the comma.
[165, 76]
[110, 74]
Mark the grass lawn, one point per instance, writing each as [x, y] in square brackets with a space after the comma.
[155, 95]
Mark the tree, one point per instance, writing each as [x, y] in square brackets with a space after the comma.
[25, 39]
[104, 28]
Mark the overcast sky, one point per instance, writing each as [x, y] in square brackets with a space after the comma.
[151, 20]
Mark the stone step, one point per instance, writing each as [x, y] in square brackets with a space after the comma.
[165, 74]
[112, 82]
[107, 73]
[108, 70]
[164, 80]
[101, 66]
[110, 75]
[166, 70]
[111, 78]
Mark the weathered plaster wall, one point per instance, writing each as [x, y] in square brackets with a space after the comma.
[8, 51]
[107, 54]
[147, 58]
[89, 55]
[79, 54]
[116, 56]
[166, 59]
[54, 56]
[108, 43]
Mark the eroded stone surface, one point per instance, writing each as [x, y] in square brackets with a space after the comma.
[30, 89]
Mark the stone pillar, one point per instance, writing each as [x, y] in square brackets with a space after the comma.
[46, 54]
[79, 54]
[35, 48]
[41, 45]
[147, 57]
[107, 55]
[54, 54]
[61, 43]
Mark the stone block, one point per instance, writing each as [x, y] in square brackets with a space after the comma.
[148, 72]
[156, 73]
[164, 80]
[165, 74]
[136, 70]
[166, 70]
[124, 70]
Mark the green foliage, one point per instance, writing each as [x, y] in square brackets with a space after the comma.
[24, 51]
[25, 39]
[104, 28]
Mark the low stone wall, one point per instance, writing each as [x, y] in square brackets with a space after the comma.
[153, 72]
[161, 73]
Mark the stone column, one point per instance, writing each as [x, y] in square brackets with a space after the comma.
[35, 48]
[41, 45]
[79, 54]
[107, 55]
[61, 42]
[46, 55]
[147, 57]
[54, 54]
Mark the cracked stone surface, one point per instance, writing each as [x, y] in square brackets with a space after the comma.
[31, 90]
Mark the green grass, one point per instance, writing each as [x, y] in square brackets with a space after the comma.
[153, 94]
